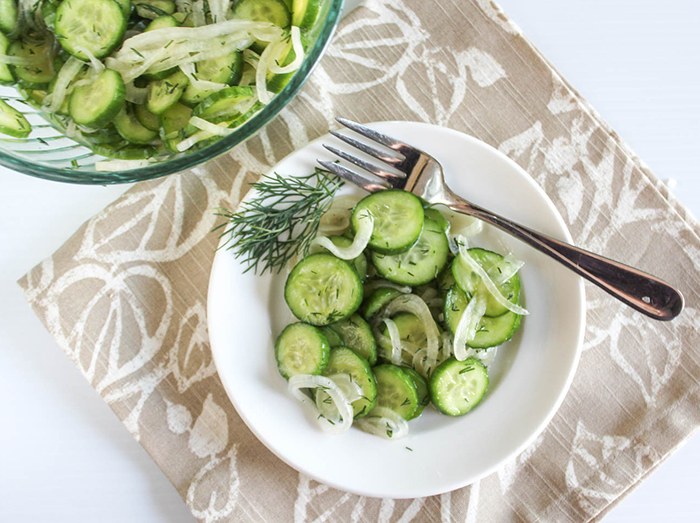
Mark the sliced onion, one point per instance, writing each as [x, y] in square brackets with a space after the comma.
[446, 346]
[385, 284]
[192, 140]
[413, 304]
[65, 76]
[203, 85]
[212, 128]
[120, 165]
[307, 381]
[385, 423]
[395, 338]
[490, 285]
[15, 60]
[298, 58]
[97, 66]
[261, 76]
[487, 355]
[359, 242]
[468, 323]
[504, 271]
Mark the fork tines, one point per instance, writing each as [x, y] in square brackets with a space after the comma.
[389, 179]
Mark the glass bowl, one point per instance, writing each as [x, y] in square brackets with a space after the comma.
[47, 153]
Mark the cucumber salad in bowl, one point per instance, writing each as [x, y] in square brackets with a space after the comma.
[397, 307]
[142, 80]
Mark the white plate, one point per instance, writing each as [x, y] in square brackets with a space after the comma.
[529, 378]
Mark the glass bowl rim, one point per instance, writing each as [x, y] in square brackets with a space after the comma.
[188, 161]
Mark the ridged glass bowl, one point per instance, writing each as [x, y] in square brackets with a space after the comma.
[47, 153]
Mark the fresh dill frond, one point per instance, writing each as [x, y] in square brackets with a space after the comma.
[280, 222]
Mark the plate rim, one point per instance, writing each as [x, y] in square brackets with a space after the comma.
[581, 325]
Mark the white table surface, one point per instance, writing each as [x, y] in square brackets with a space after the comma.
[64, 456]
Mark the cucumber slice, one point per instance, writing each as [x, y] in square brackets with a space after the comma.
[396, 390]
[99, 102]
[457, 387]
[305, 13]
[172, 123]
[357, 335]
[276, 82]
[184, 19]
[323, 289]
[224, 102]
[107, 135]
[165, 93]
[34, 97]
[274, 11]
[469, 281]
[43, 68]
[345, 361]
[152, 9]
[398, 220]
[301, 349]
[421, 389]
[225, 69]
[359, 263]
[6, 76]
[377, 301]
[131, 130]
[9, 21]
[445, 281]
[12, 122]
[147, 118]
[125, 151]
[421, 263]
[434, 214]
[410, 330]
[162, 22]
[126, 7]
[491, 331]
[333, 337]
[95, 25]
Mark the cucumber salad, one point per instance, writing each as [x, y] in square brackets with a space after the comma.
[397, 311]
[142, 80]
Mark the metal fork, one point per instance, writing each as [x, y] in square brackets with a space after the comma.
[422, 175]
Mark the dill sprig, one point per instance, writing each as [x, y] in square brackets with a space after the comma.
[280, 221]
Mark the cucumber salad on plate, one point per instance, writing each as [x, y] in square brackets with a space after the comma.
[139, 80]
[397, 309]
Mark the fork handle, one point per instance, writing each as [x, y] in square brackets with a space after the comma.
[641, 291]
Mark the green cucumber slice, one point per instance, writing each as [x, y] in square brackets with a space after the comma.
[333, 337]
[125, 151]
[6, 76]
[398, 220]
[223, 102]
[301, 349]
[421, 263]
[12, 122]
[225, 69]
[360, 263]
[357, 335]
[345, 361]
[434, 214]
[147, 118]
[162, 22]
[456, 387]
[276, 82]
[152, 9]
[172, 124]
[95, 25]
[98, 103]
[421, 389]
[130, 129]
[42, 69]
[305, 13]
[469, 281]
[274, 11]
[126, 7]
[410, 330]
[323, 289]
[490, 332]
[163, 94]
[9, 19]
[396, 390]
[377, 301]
[445, 280]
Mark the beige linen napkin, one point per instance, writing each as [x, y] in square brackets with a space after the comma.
[125, 297]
